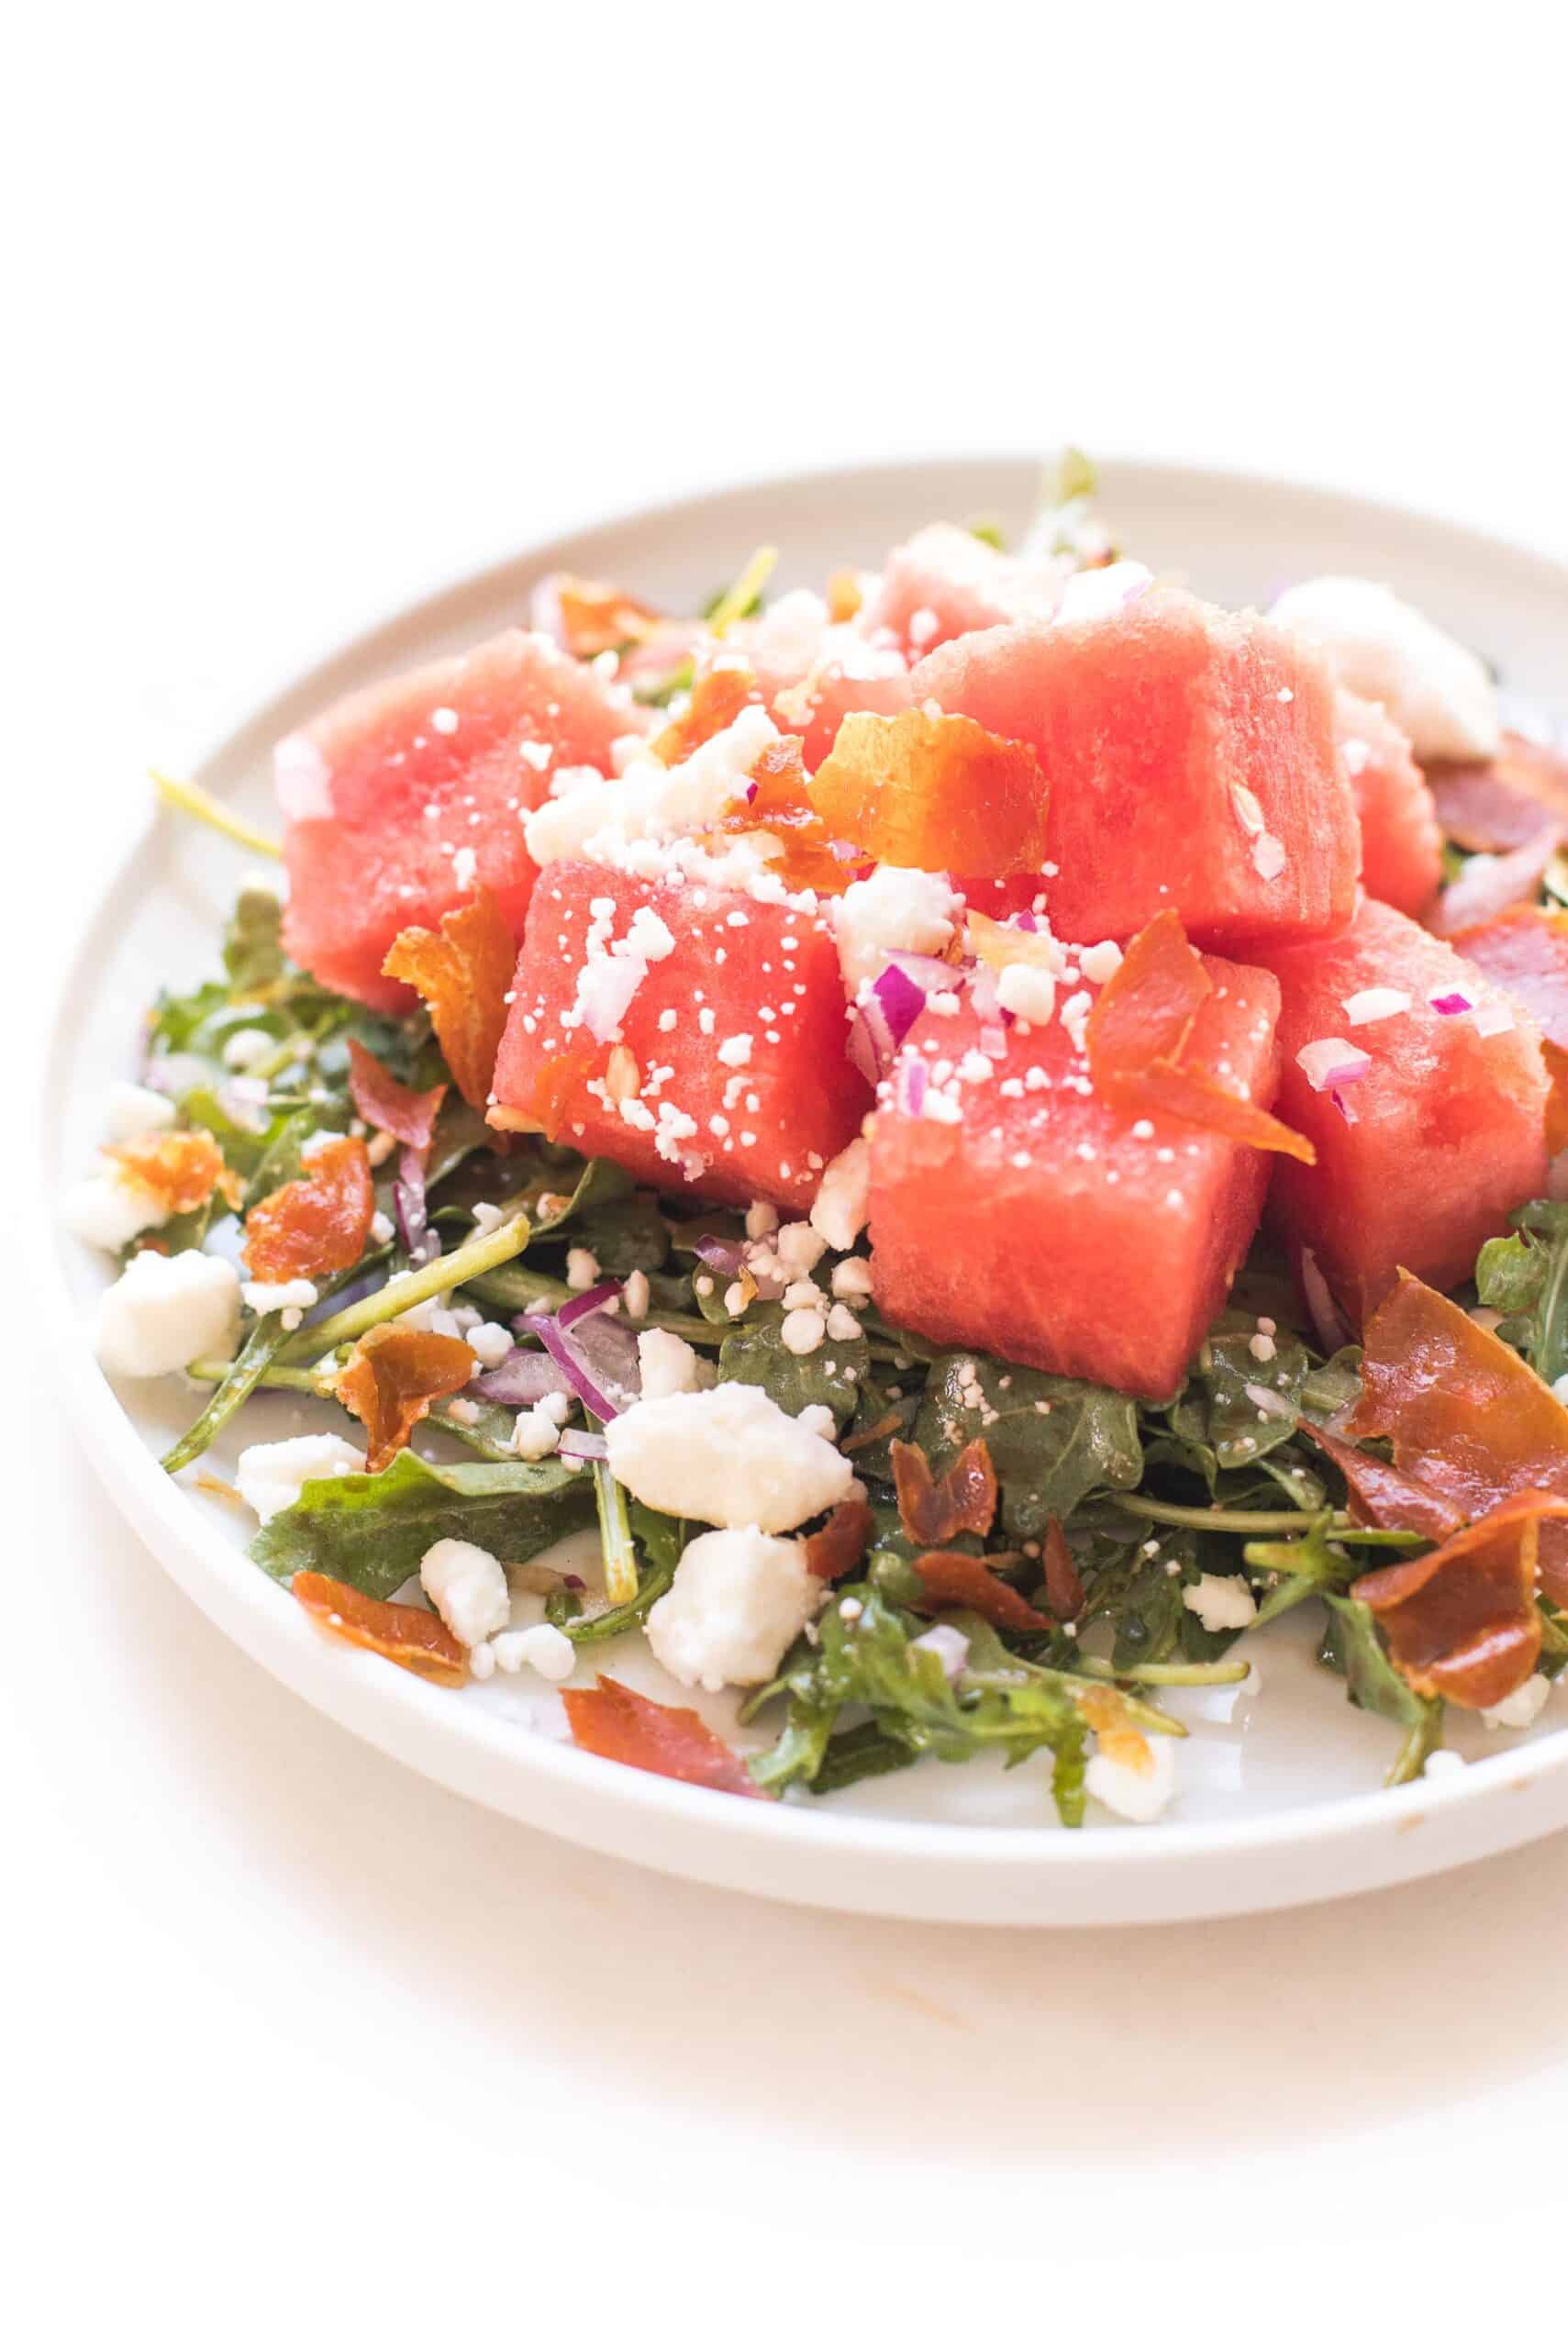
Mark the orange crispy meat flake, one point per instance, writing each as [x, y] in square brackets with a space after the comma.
[717, 699]
[1386, 1496]
[1063, 1585]
[596, 618]
[958, 1578]
[1462, 1622]
[392, 1376]
[838, 1547]
[182, 1170]
[780, 804]
[670, 1739]
[407, 1635]
[1138, 1034]
[931, 1509]
[462, 973]
[936, 792]
[319, 1224]
[382, 1101]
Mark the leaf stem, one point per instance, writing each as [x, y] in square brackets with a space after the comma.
[1218, 1521]
[414, 1286]
[615, 1535]
[192, 800]
[212, 1374]
[1220, 1674]
[739, 596]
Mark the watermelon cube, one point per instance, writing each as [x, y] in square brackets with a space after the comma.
[696, 1034]
[1192, 763]
[1425, 1094]
[401, 800]
[1402, 843]
[944, 583]
[1013, 1209]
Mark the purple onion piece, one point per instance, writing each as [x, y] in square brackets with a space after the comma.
[589, 1300]
[913, 1085]
[928, 972]
[1447, 1007]
[726, 1256]
[597, 1356]
[422, 1244]
[1330, 1326]
[582, 1443]
[524, 1379]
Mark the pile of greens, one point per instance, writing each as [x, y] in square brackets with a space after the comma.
[1151, 1498]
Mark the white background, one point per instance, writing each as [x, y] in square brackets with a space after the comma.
[313, 308]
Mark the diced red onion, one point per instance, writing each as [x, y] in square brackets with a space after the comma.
[1449, 1005]
[582, 1443]
[524, 1379]
[1330, 1326]
[883, 1014]
[1331, 1063]
[726, 1256]
[596, 1352]
[422, 1244]
[947, 1644]
[1489, 884]
[912, 1079]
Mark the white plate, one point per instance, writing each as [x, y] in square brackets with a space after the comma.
[1281, 1799]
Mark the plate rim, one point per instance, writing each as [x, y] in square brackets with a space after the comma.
[467, 1749]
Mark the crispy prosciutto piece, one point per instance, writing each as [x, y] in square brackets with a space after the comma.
[938, 792]
[408, 1636]
[1386, 1496]
[1464, 1415]
[778, 803]
[392, 1376]
[1462, 1622]
[671, 1741]
[958, 1578]
[319, 1224]
[838, 1547]
[182, 1170]
[1525, 951]
[931, 1509]
[462, 971]
[396, 1109]
[1138, 1036]
[1063, 1585]
[587, 617]
[717, 701]
[1499, 804]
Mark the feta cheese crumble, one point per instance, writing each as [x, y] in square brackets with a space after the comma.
[270, 1476]
[1135, 1786]
[165, 1311]
[894, 911]
[727, 1456]
[740, 1600]
[1433, 687]
[467, 1587]
[1221, 1603]
[132, 1110]
[840, 1209]
[669, 1366]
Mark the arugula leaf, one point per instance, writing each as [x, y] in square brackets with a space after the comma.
[1352, 1646]
[1218, 1422]
[1525, 1278]
[754, 1354]
[372, 1531]
[253, 954]
[1052, 1440]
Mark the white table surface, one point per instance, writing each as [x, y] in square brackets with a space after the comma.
[327, 306]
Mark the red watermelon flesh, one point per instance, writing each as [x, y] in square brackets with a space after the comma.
[1441, 1138]
[403, 799]
[944, 583]
[1191, 764]
[1402, 843]
[1048, 1226]
[758, 1121]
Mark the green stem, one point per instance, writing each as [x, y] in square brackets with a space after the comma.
[415, 1287]
[742, 593]
[615, 1536]
[1219, 1520]
[584, 1629]
[212, 1374]
[192, 800]
[1166, 1676]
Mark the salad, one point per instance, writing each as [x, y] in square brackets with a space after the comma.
[993, 1128]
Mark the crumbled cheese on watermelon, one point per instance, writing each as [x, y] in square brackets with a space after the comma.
[894, 911]
[840, 1209]
[1027, 991]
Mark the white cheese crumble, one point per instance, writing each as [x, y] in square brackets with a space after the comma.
[270, 1476]
[852, 1280]
[280, 1297]
[1374, 1002]
[164, 1312]
[669, 1366]
[492, 1342]
[1100, 593]
[1433, 687]
[1027, 991]
[1136, 1789]
[649, 801]
[738, 1601]
[248, 1048]
[582, 1268]
[840, 1209]
[727, 1456]
[1221, 1603]
[110, 1208]
[536, 1433]
[894, 910]
[541, 1648]
[467, 1587]
[1521, 1707]
[131, 1110]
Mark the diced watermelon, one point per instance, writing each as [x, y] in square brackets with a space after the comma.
[401, 800]
[1191, 764]
[1525, 951]
[1436, 1142]
[1402, 843]
[1048, 1226]
[945, 581]
[737, 1119]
